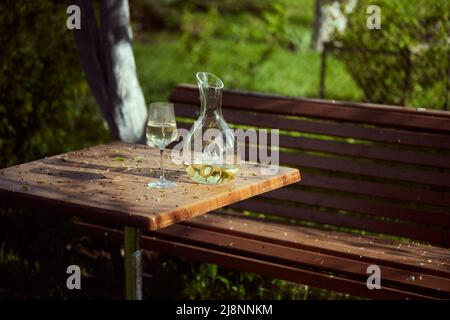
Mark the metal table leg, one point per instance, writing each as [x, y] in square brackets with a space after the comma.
[133, 263]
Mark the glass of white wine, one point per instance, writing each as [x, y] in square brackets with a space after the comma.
[161, 130]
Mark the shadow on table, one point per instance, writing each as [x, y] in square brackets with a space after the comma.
[106, 171]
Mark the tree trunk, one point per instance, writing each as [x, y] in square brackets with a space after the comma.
[107, 59]
[331, 17]
[318, 21]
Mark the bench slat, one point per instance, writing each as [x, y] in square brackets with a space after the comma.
[374, 208]
[414, 257]
[362, 168]
[196, 243]
[274, 270]
[375, 152]
[423, 233]
[366, 151]
[355, 166]
[409, 195]
[288, 255]
[342, 129]
[342, 111]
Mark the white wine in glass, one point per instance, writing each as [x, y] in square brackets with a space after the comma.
[161, 131]
[161, 134]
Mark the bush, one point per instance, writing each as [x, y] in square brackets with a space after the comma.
[45, 108]
[419, 27]
[167, 14]
[44, 102]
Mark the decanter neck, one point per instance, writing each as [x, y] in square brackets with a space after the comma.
[210, 101]
[210, 88]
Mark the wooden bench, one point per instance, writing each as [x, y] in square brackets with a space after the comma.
[375, 190]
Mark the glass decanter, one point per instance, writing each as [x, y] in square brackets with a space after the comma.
[209, 150]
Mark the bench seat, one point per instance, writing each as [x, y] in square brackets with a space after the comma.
[311, 256]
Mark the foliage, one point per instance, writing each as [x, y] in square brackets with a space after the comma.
[165, 14]
[43, 109]
[209, 281]
[419, 27]
[36, 247]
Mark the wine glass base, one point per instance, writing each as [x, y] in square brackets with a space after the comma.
[162, 184]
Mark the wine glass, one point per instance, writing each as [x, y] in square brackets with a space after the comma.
[161, 130]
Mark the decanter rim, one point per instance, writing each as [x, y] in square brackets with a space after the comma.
[218, 82]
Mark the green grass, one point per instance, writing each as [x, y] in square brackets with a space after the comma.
[165, 62]
[232, 49]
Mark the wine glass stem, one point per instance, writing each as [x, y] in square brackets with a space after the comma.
[162, 165]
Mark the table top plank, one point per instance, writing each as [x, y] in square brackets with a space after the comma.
[108, 183]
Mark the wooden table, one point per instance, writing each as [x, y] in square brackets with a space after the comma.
[108, 184]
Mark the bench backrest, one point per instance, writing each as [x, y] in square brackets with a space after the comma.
[380, 169]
